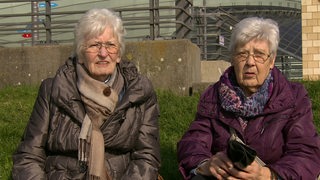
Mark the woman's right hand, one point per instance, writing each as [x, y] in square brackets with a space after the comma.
[219, 166]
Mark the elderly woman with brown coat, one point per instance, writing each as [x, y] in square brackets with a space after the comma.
[97, 118]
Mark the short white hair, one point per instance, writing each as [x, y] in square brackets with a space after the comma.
[255, 28]
[93, 23]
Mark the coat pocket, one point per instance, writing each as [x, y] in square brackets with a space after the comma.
[117, 164]
[63, 167]
[63, 133]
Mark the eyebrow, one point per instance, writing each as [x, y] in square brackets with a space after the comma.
[254, 50]
[103, 42]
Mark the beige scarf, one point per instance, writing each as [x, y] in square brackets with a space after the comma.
[100, 100]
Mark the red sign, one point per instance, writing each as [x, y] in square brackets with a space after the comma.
[26, 35]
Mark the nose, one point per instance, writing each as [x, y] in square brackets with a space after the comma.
[250, 60]
[103, 52]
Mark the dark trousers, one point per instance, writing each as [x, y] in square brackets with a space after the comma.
[200, 177]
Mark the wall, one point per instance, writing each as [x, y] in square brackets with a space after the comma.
[212, 70]
[311, 39]
[170, 64]
[30, 65]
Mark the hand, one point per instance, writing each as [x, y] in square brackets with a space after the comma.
[221, 167]
[218, 166]
[253, 171]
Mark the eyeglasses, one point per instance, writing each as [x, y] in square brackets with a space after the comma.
[259, 57]
[96, 47]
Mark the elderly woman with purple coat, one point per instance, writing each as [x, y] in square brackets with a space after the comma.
[255, 103]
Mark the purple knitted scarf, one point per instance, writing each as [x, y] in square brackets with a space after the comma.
[234, 100]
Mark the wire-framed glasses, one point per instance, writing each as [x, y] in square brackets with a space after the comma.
[259, 57]
[96, 47]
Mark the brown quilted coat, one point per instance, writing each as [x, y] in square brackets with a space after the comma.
[48, 149]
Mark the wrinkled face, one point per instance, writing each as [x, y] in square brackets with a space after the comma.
[252, 63]
[101, 55]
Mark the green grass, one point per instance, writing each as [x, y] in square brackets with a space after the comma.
[176, 114]
[15, 107]
[313, 88]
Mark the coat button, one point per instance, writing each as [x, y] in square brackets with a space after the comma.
[107, 91]
[83, 167]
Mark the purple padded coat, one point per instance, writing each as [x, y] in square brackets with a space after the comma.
[284, 135]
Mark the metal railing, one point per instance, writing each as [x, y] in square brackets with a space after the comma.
[48, 26]
[290, 67]
[209, 28]
[213, 28]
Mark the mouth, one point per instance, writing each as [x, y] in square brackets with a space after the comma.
[249, 74]
[102, 62]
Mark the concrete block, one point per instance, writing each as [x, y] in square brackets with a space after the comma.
[170, 64]
[212, 70]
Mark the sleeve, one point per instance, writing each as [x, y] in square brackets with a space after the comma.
[301, 159]
[29, 158]
[195, 145]
[145, 159]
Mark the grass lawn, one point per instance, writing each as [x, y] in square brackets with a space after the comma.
[176, 114]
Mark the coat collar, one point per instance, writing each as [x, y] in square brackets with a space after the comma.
[65, 93]
[281, 98]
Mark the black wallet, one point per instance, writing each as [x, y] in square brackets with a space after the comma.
[240, 153]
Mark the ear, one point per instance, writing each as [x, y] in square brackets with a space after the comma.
[231, 61]
[273, 60]
[118, 60]
[80, 60]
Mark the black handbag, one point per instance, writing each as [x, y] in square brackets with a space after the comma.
[240, 153]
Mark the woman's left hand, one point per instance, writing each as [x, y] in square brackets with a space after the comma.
[253, 171]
